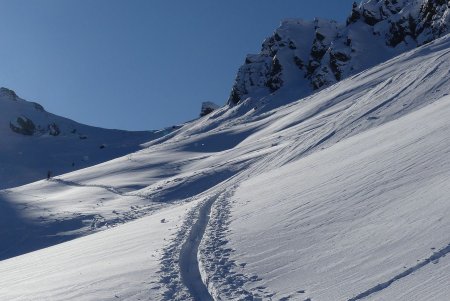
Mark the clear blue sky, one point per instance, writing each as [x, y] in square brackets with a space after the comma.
[137, 64]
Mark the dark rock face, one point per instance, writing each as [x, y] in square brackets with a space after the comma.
[53, 129]
[234, 97]
[323, 52]
[254, 73]
[433, 20]
[23, 126]
[275, 82]
[338, 59]
[430, 23]
[268, 71]
[207, 108]
[355, 15]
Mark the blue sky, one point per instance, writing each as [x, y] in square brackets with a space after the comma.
[137, 64]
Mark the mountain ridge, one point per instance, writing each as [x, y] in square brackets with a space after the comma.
[36, 143]
[305, 56]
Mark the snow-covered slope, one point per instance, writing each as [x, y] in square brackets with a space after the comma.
[304, 56]
[34, 142]
[118, 264]
[337, 196]
[368, 216]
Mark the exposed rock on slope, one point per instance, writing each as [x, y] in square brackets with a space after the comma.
[207, 108]
[302, 56]
[34, 142]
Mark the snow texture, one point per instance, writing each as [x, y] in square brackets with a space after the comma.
[340, 195]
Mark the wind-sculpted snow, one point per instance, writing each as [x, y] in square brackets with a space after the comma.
[327, 198]
[349, 221]
[432, 259]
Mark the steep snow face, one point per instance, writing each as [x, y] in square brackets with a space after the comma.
[366, 219]
[34, 142]
[301, 57]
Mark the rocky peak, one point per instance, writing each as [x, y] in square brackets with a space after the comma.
[307, 56]
[375, 11]
[420, 20]
[7, 94]
[433, 20]
[266, 72]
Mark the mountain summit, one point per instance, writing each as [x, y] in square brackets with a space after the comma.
[303, 56]
[7, 94]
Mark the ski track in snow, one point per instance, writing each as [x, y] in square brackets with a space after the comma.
[196, 264]
[189, 267]
[224, 276]
[381, 286]
[170, 275]
[180, 269]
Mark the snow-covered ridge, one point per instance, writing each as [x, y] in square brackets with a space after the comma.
[8, 95]
[34, 142]
[303, 56]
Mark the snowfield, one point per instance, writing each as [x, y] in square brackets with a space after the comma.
[53, 143]
[341, 195]
[116, 264]
[360, 213]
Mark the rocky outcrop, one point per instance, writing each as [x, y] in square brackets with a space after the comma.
[207, 108]
[31, 118]
[316, 54]
[23, 125]
[7, 94]
[53, 129]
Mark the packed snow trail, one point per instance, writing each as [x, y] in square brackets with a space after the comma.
[189, 268]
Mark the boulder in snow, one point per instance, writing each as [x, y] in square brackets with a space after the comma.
[207, 108]
[23, 125]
